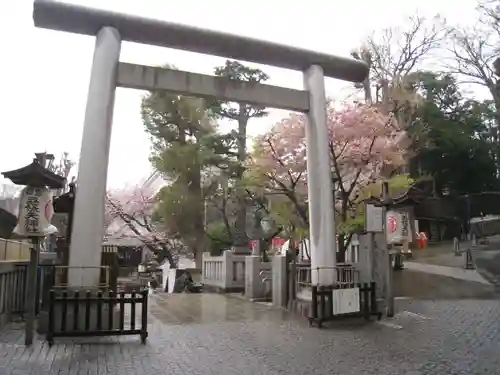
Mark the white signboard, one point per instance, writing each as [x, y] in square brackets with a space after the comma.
[171, 279]
[374, 217]
[165, 267]
[345, 301]
[398, 229]
[35, 213]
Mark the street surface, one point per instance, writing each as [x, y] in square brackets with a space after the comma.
[213, 334]
[486, 259]
[488, 263]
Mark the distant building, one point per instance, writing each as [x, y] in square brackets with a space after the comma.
[9, 208]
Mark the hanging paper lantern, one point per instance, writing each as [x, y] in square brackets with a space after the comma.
[398, 227]
[35, 213]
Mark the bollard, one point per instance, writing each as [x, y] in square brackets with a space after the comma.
[469, 263]
[456, 246]
[398, 262]
[474, 240]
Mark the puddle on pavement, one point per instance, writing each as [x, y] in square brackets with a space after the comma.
[187, 308]
[209, 308]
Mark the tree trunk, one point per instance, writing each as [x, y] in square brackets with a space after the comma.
[341, 248]
[198, 257]
[195, 191]
[240, 227]
[495, 91]
[165, 254]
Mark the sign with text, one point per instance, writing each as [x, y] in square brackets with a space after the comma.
[345, 301]
[374, 218]
[35, 213]
[398, 228]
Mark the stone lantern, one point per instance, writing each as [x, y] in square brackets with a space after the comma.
[34, 221]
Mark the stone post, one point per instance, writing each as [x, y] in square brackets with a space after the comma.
[253, 283]
[227, 270]
[365, 261]
[88, 219]
[381, 268]
[456, 246]
[280, 281]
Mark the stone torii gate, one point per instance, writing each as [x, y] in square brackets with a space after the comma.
[110, 29]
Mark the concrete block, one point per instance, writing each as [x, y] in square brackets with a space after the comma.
[279, 289]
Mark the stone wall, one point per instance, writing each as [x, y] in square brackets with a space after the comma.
[14, 250]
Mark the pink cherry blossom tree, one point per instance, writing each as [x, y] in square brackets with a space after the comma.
[364, 144]
[130, 214]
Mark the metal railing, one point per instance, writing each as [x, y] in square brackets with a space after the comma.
[300, 277]
[301, 274]
[344, 274]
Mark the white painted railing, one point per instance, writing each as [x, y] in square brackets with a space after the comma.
[351, 254]
[225, 272]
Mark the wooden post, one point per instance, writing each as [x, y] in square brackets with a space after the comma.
[52, 309]
[31, 292]
[456, 246]
[389, 281]
[144, 316]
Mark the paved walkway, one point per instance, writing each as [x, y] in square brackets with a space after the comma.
[213, 334]
[422, 285]
[453, 272]
[441, 260]
[442, 254]
[488, 264]
[447, 259]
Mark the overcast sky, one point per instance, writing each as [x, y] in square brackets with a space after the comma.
[44, 74]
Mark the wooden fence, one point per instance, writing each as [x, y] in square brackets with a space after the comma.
[80, 314]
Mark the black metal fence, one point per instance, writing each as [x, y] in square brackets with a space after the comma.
[300, 276]
[94, 313]
[323, 300]
[13, 291]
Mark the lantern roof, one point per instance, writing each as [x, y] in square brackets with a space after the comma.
[35, 174]
[65, 202]
[412, 196]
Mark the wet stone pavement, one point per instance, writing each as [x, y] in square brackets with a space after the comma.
[429, 284]
[213, 334]
[488, 264]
